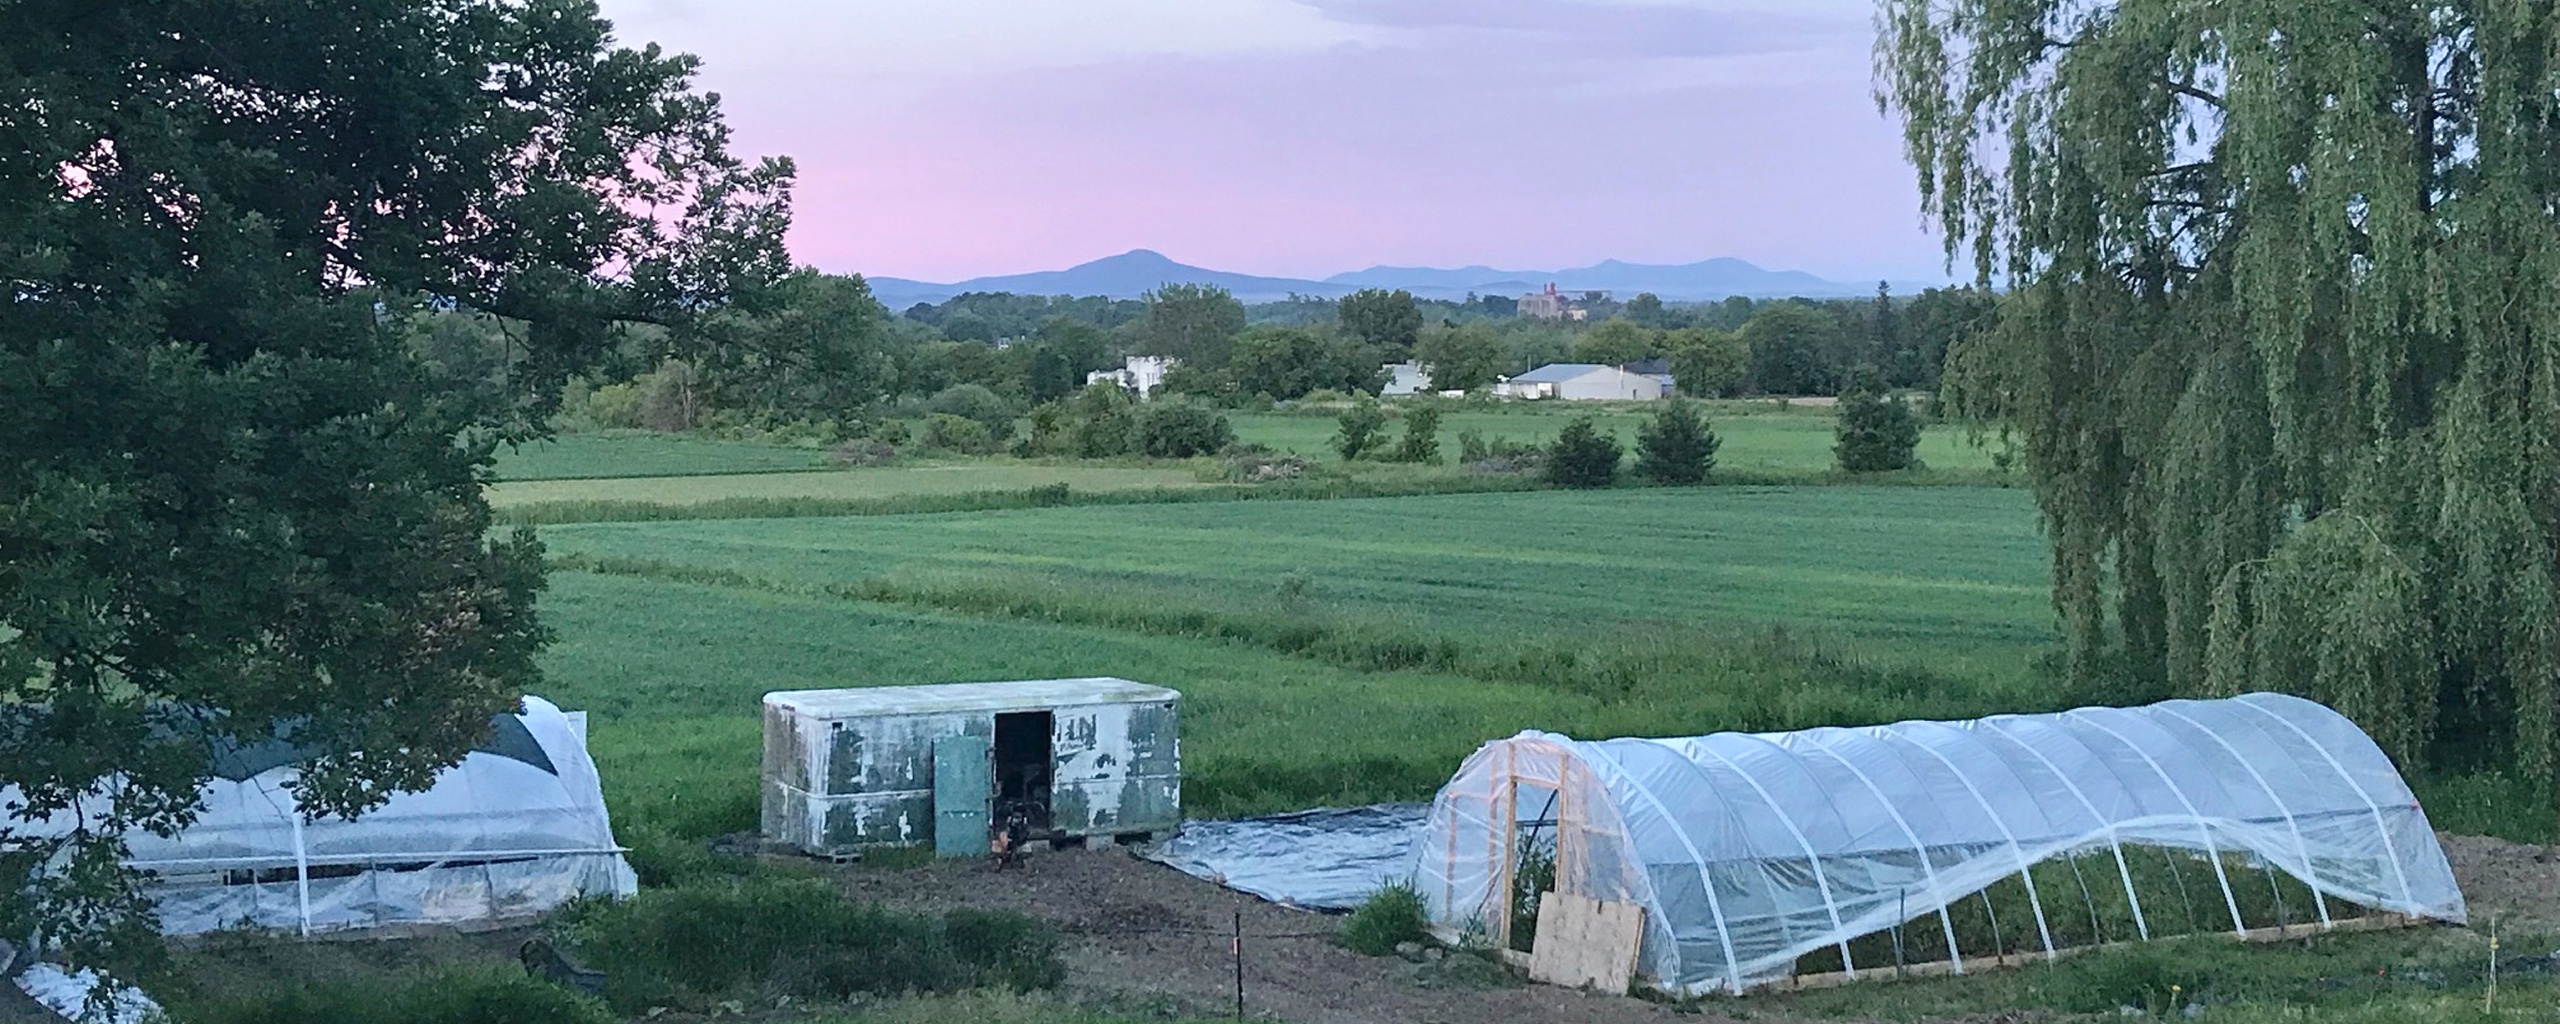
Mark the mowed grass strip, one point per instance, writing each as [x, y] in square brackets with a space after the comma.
[840, 484]
[1955, 577]
[1757, 437]
[645, 454]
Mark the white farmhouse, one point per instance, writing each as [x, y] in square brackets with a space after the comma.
[1142, 376]
[1583, 382]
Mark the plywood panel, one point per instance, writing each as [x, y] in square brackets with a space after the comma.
[1586, 943]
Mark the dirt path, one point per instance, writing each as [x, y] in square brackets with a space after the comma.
[1148, 937]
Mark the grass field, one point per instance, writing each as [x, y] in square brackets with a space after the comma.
[837, 484]
[637, 454]
[1757, 437]
[1330, 651]
[1951, 573]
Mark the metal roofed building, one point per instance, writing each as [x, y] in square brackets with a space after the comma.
[1584, 382]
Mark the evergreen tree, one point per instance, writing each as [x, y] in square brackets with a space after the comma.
[1582, 456]
[1875, 433]
[1676, 446]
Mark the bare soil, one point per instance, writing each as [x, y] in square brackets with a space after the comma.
[1144, 936]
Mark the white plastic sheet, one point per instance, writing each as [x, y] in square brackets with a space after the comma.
[1751, 850]
[496, 837]
[66, 993]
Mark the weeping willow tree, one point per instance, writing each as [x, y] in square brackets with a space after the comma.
[2282, 337]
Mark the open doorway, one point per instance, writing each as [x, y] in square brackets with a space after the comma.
[1022, 757]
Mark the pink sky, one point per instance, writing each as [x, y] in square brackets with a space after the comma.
[946, 139]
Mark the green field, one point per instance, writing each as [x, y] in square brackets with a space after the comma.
[1942, 571]
[1757, 437]
[837, 484]
[1331, 651]
[635, 454]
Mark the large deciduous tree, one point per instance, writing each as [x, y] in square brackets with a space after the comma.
[1195, 323]
[1389, 322]
[2282, 338]
[233, 502]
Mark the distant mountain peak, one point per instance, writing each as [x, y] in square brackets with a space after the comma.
[1138, 271]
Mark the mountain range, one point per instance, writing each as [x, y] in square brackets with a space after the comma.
[1133, 273]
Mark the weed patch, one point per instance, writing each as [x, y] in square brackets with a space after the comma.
[763, 936]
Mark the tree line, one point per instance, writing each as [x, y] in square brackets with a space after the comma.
[816, 348]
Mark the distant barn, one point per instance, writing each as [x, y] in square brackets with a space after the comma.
[1588, 382]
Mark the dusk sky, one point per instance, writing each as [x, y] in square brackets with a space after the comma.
[945, 139]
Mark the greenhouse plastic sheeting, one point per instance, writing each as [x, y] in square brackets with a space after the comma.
[1748, 851]
[517, 828]
[1329, 859]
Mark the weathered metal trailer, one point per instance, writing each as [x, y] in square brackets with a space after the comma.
[910, 765]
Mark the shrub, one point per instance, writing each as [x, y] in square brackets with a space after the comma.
[1421, 434]
[1582, 456]
[1176, 428]
[1358, 429]
[974, 402]
[1676, 446]
[801, 937]
[1391, 916]
[1875, 433]
[1105, 426]
[891, 432]
[954, 434]
[611, 407]
[1262, 467]
[493, 996]
[863, 452]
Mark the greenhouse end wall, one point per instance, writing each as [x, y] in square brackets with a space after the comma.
[1749, 851]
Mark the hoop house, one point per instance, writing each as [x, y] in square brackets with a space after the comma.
[1748, 850]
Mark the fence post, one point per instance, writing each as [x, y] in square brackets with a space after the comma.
[1237, 947]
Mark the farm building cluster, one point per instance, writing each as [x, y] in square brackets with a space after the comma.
[1693, 864]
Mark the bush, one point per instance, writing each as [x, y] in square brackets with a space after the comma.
[1391, 916]
[611, 407]
[1105, 426]
[863, 452]
[954, 434]
[493, 996]
[1677, 446]
[977, 404]
[799, 936]
[1176, 428]
[1421, 434]
[1582, 456]
[891, 432]
[1876, 433]
[1359, 429]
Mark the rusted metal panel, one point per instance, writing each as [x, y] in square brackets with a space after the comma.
[1115, 752]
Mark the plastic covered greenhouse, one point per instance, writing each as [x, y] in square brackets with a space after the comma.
[1749, 851]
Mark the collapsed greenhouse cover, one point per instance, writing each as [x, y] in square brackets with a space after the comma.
[1750, 850]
